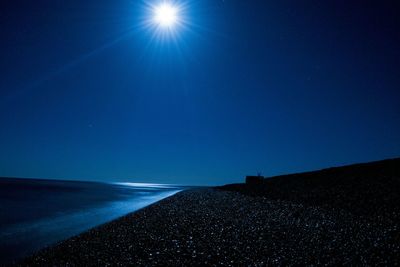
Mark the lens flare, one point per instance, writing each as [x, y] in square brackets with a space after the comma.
[165, 15]
[167, 21]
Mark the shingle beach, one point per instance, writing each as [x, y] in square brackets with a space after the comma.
[226, 227]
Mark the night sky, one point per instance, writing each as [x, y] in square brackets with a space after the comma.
[90, 91]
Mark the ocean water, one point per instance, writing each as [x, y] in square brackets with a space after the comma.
[38, 213]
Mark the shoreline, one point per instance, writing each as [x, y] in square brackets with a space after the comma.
[214, 227]
[25, 238]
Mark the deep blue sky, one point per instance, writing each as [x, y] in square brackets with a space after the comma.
[87, 93]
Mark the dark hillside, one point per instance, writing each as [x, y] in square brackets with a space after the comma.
[369, 189]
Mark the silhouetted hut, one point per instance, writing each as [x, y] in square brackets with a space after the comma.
[251, 180]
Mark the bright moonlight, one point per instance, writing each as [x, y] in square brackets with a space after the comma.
[166, 15]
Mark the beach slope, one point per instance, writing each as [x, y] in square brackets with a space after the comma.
[240, 226]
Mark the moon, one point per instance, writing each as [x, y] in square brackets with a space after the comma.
[165, 15]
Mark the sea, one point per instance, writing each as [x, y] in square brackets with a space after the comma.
[38, 213]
